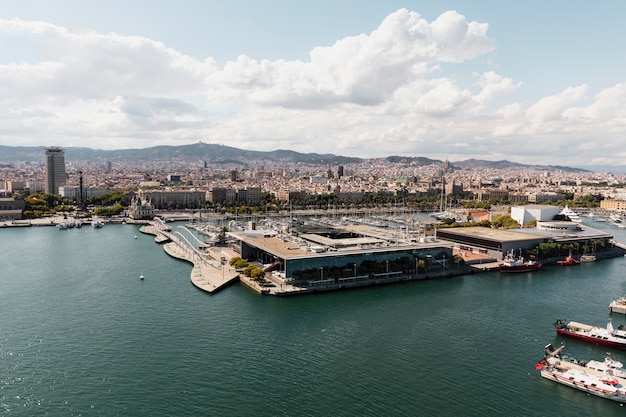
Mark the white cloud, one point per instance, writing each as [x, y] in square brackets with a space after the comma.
[397, 90]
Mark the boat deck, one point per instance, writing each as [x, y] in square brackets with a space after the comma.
[565, 365]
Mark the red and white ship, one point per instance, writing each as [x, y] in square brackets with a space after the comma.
[602, 379]
[511, 263]
[601, 336]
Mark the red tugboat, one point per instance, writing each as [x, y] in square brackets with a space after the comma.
[511, 263]
[570, 260]
[600, 336]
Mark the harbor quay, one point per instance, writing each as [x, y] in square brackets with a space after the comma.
[315, 254]
[361, 265]
[311, 254]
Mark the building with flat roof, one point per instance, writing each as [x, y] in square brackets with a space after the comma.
[335, 255]
[498, 242]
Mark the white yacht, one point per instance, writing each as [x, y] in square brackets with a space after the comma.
[573, 216]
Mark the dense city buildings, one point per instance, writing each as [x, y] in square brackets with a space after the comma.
[202, 184]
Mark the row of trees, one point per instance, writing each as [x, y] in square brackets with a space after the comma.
[249, 270]
[42, 204]
[555, 250]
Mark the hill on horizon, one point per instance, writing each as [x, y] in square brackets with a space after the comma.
[222, 154]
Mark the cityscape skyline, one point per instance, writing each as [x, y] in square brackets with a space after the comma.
[446, 81]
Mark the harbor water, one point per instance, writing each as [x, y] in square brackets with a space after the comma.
[82, 335]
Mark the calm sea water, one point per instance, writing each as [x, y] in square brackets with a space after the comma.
[80, 334]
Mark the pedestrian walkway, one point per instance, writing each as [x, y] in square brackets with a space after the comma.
[208, 274]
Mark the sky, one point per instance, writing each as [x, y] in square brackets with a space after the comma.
[533, 82]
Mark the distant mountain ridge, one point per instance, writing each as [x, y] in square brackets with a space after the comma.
[195, 152]
[222, 154]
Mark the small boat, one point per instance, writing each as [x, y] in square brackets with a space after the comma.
[605, 379]
[587, 258]
[511, 263]
[135, 236]
[141, 276]
[601, 336]
[570, 260]
[618, 306]
[97, 224]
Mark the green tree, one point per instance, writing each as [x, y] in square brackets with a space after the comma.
[505, 221]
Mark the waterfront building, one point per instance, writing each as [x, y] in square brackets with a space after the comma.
[249, 195]
[613, 204]
[350, 195]
[538, 212]
[497, 242]
[173, 199]
[140, 209]
[221, 195]
[290, 195]
[55, 170]
[347, 255]
[547, 197]
[492, 193]
[518, 198]
[11, 209]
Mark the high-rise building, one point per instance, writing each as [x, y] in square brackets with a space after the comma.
[55, 169]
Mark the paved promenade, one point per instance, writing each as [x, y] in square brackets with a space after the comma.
[208, 273]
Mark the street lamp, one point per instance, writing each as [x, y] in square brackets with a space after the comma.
[321, 273]
[387, 266]
[354, 269]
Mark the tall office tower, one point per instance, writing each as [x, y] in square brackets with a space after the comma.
[55, 169]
